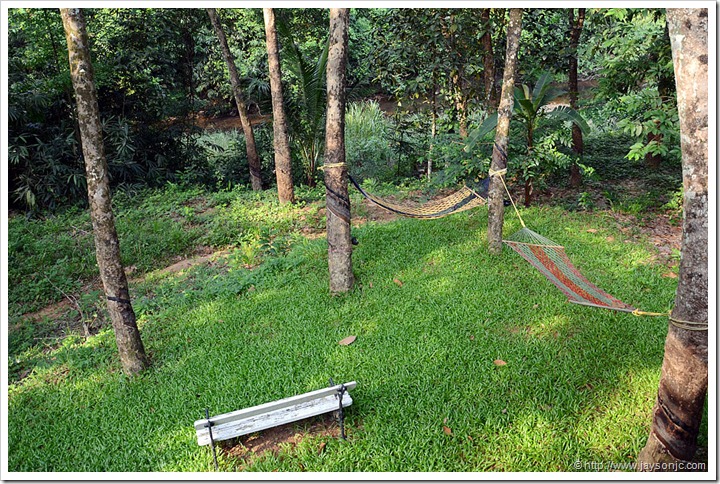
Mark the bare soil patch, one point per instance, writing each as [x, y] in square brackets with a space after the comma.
[247, 449]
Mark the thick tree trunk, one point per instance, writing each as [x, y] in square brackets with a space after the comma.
[107, 247]
[577, 138]
[253, 159]
[283, 166]
[488, 61]
[496, 209]
[684, 375]
[336, 178]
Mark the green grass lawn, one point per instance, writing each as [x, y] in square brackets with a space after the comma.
[579, 383]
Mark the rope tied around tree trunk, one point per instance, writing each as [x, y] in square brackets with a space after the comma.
[688, 325]
[338, 205]
[331, 165]
[118, 300]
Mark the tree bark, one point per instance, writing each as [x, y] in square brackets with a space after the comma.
[252, 155]
[684, 375]
[336, 177]
[433, 126]
[107, 246]
[577, 138]
[488, 61]
[496, 209]
[283, 166]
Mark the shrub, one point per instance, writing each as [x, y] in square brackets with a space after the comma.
[367, 142]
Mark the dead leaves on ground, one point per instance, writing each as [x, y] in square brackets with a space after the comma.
[347, 341]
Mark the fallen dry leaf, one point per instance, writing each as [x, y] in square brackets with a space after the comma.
[671, 275]
[472, 337]
[321, 447]
[592, 231]
[500, 362]
[610, 238]
[447, 430]
[370, 284]
[398, 282]
[347, 341]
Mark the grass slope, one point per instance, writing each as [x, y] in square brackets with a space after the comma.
[579, 383]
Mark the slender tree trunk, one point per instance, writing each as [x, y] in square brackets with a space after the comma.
[336, 178]
[577, 138]
[433, 126]
[528, 179]
[460, 101]
[684, 375]
[107, 247]
[488, 61]
[496, 209]
[253, 159]
[283, 166]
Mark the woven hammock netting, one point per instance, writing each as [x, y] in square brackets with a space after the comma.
[463, 199]
[550, 259]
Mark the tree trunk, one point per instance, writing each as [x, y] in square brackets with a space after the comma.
[528, 179]
[496, 209]
[253, 159]
[433, 126]
[577, 138]
[283, 166]
[460, 102]
[488, 61]
[684, 375]
[336, 178]
[107, 247]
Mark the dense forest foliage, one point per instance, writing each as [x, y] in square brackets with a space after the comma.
[420, 81]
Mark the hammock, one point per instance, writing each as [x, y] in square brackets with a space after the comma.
[464, 199]
[550, 259]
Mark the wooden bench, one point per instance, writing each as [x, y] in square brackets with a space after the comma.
[267, 415]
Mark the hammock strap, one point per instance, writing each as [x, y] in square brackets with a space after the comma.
[637, 312]
[500, 174]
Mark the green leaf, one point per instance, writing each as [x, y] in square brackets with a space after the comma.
[528, 110]
[568, 114]
[542, 84]
[486, 127]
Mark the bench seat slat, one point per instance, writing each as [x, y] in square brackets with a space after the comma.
[265, 416]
